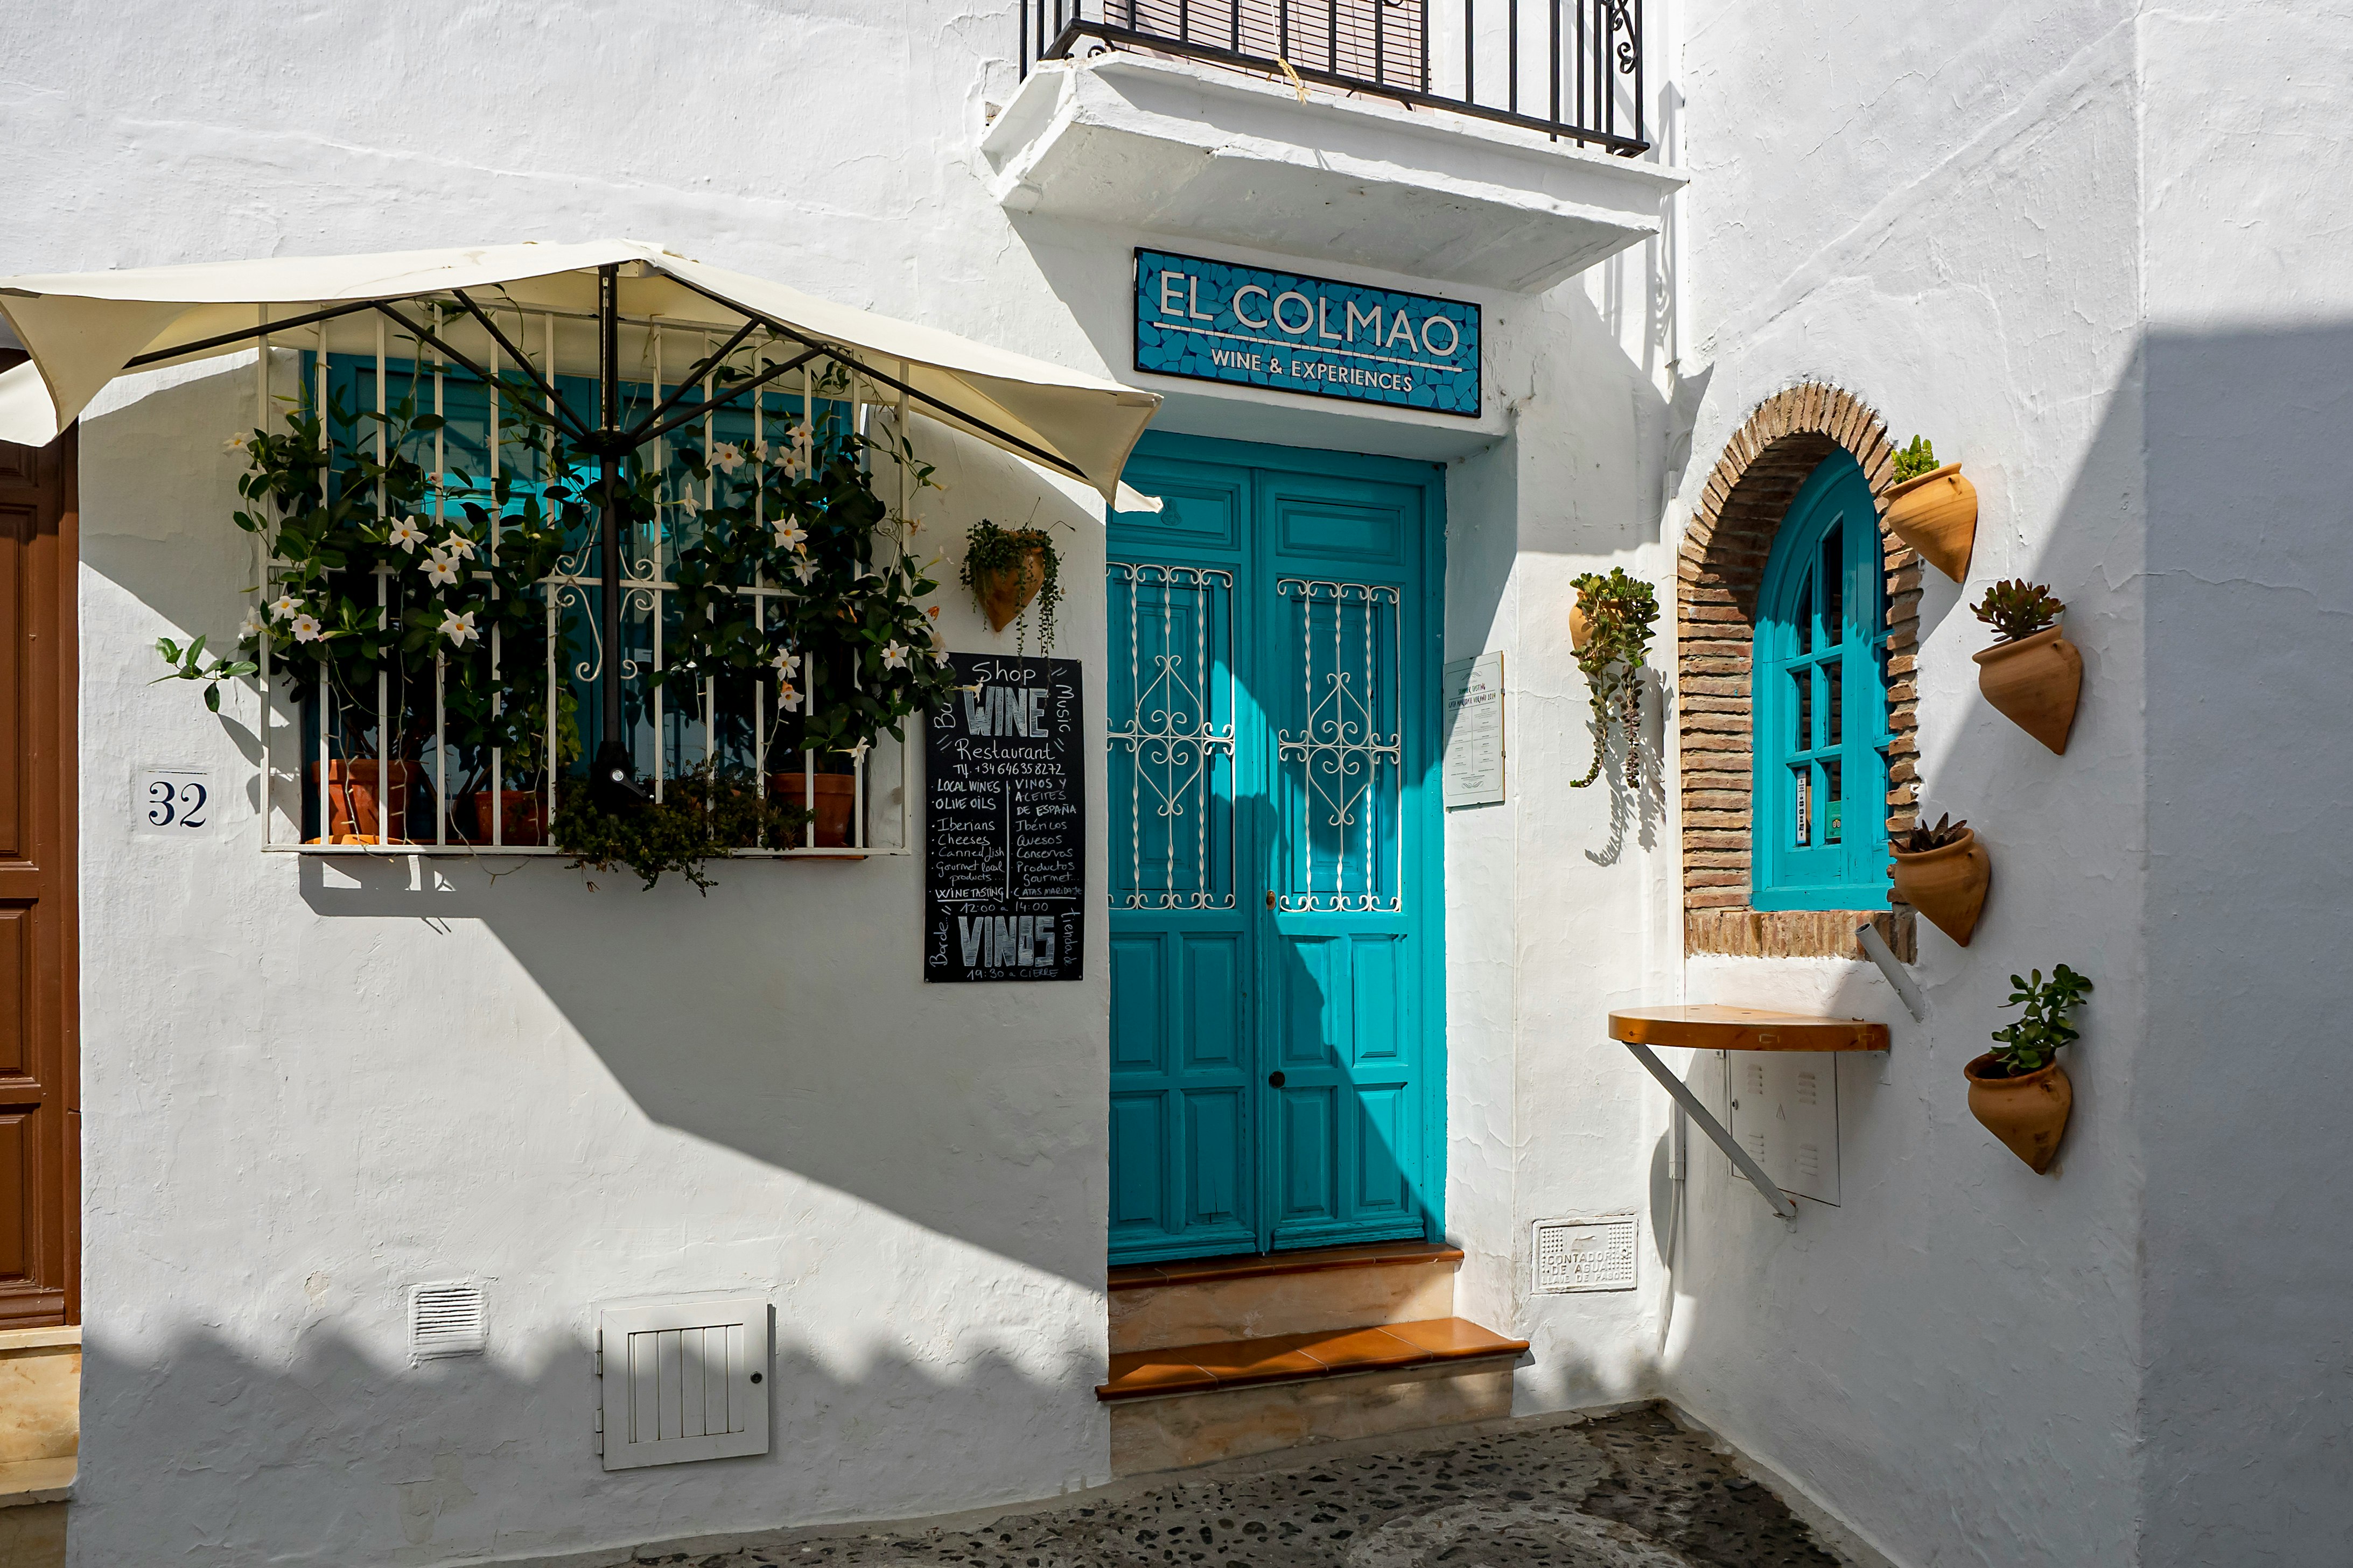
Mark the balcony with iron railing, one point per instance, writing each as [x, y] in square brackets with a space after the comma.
[1570, 68]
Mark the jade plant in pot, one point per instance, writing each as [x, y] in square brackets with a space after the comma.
[2017, 1089]
[1933, 509]
[1007, 568]
[2033, 674]
[1943, 871]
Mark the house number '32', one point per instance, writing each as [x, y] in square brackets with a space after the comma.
[171, 800]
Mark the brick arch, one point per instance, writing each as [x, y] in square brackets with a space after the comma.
[1720, 569]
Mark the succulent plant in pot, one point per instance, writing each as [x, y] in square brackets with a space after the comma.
[2017, 1089]
[1943, 871]
[2033, 674]
[1609, 631]
[1933, 509]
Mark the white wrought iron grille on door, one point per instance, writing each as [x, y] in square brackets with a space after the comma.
[501, 797]
[1172, 736]
[1342, 767]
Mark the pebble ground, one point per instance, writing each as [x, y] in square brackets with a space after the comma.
[1630, 1491]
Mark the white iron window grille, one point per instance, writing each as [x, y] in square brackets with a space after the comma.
[1347, 797]
[858, 804]
[1173, 735]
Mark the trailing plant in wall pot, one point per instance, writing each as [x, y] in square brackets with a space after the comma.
[2033, 674]
[2017, 1089]
[1609, 630]
[1007, 568]
[1942, 872]
[1933, 509]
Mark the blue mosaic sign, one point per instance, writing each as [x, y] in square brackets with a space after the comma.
[1214, 321]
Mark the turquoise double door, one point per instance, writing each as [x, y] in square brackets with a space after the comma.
[1277, 1068]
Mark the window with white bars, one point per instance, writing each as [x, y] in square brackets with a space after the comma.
[465, 743]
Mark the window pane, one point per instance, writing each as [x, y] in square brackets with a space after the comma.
[1802, 776]
[1834, 817]
[1832, 704]
[1801, 736]
[1833, 561]
[1805, 618]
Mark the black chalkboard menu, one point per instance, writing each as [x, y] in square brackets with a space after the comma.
[1005, 824]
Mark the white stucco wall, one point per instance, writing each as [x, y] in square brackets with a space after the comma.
[2001, 226]
[303, 1095]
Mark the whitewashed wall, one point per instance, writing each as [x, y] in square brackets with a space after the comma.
[2061, 239]
[302, 1095]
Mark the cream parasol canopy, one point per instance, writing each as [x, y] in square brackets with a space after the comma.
[82, 330]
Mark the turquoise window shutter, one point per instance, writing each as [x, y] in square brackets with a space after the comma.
[1818, 822]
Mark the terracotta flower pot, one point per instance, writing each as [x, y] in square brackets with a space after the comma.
[1581, 631]
[1947, 884]
[1006, 591]
[2035, 682]
[351, 797]
[2028, 1115]
[837, 804]
[525, 811]
[1937, 514]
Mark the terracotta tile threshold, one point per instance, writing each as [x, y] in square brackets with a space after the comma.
[1202, 1271]
[1296, 1358]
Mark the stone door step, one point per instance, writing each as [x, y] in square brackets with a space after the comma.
[1311, 1260]
[1301, 1358]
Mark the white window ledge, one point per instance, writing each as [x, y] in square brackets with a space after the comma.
[1199, 151]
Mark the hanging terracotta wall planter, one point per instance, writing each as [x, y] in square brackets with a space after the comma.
[1580, 630]
[1937, 514]
[1006, 591]
[2028, 1113]
[1947, 884]
[2035, 683]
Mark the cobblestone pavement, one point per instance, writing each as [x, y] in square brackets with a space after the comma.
[1630, 1491]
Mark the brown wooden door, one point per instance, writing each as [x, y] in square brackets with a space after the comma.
[40, 1107]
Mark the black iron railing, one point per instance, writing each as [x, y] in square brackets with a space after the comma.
[1570, 68]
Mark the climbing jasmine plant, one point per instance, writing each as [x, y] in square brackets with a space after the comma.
[1618, 612]
[424, 593]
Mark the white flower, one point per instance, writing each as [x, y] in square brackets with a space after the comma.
[456, 547]
[283, 606]
[789, 696]
[760, 450]
[939, 646]
[856, 753]
[457, 628]
[800, 433]
[440, 570]
[407, 534]
[894, 656]
[803, 568]
[725, 456]
[790, 535]
[786, 663]
[687, 504]
[237, 445]
[306, 628]
[252, 627]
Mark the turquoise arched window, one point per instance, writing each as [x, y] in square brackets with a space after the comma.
[1818, 824]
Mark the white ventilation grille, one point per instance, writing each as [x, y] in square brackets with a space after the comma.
[449, 1319]
[683, 1381]
[1584, 1255]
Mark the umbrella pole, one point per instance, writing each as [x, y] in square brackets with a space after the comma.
[616, 786]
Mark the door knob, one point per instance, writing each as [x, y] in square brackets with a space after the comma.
[1270, 897]
[1275, 1080]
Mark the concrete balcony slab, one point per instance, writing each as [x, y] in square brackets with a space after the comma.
[1204, 152]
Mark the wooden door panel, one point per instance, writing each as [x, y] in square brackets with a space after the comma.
[39, 1171]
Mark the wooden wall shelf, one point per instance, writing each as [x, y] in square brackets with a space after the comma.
[1710, 1026]
[1707, 1027]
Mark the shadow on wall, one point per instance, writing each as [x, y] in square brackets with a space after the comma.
[364, 1458]
[784, 1016]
